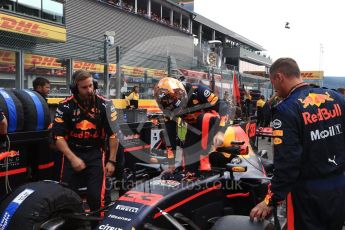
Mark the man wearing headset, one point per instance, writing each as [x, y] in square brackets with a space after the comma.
[81, 126]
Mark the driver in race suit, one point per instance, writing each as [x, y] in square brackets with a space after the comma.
[202, 110]
[309, 152]
[81, 126]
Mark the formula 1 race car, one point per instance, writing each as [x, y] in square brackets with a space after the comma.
[220, 198]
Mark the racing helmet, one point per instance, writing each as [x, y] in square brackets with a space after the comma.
[236, 133]
[170, 95]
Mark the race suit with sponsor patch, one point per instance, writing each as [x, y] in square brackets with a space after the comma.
[85, 130]
[309, 158]
[205, 115]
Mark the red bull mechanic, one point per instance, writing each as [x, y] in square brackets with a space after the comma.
[204, 113]
[81, 126]
[309, 152]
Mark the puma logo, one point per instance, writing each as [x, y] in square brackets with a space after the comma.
[332, 161]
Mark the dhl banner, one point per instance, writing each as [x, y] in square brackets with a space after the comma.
[256, 73]
[312, 75]
[133, 71]
[32, 28]
[198, 74]
[39, 61]
[140, 71]
[93, 67]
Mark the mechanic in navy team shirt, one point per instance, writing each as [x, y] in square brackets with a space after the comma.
[309, 152]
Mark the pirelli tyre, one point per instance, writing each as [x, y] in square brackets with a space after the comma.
[30, 205]
[36, 110]
[13, 110]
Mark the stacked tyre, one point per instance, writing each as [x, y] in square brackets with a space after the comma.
[26, 112]
[13, 110]
[37, 118]
[36, 111]
[13, 169]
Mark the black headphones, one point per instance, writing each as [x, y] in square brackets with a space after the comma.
[73, 86]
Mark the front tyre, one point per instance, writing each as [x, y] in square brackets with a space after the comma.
[32, 204]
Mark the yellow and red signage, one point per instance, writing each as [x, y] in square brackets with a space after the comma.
[257, 73]
[39, 61]
[32, 28]
[93, 67]
[312, 75]
[198, 74]
[140, 71]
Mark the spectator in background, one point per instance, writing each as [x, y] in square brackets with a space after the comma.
[247, 104]
[259, 111]
[42, 86]
[266, 112]
[226, 96]
[133, 95]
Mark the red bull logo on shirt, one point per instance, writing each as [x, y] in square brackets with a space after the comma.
[86, 129]
[315, 99]
[323, 114]
[85, 125]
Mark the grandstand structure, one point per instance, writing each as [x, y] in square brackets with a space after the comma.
[53, 38]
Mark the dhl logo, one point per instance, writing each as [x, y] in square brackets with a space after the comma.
[7, 57]
[307, 75]
[93, 67]
[134, 71]
[312, 74]
[38, 60]
[315, 99]
[85, 125]
[32, 28]
[24, 26]
[157, 73]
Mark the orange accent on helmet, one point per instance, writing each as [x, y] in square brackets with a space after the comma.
[170, 95]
